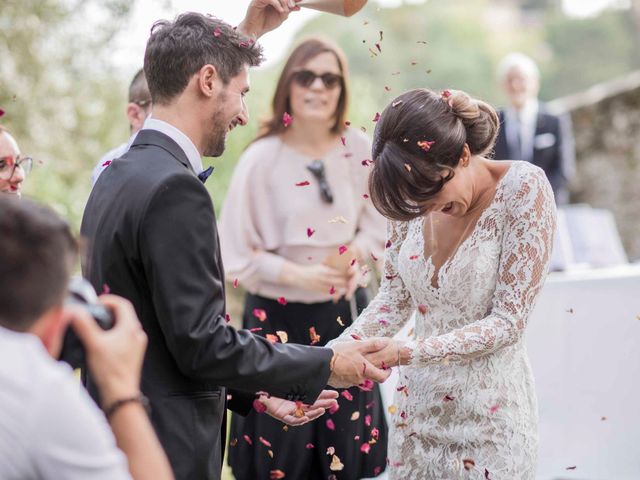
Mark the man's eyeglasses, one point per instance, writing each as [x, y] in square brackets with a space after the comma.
[317, 168]
[9, 164]
[305, 78]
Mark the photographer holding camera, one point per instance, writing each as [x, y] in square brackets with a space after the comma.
[49, 426]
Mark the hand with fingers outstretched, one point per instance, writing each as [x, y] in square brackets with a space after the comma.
[297, 413]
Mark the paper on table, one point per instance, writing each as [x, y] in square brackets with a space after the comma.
[345, 8]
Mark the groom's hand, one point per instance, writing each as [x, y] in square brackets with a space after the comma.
[296, 413]
[349, 365]
[265, 15]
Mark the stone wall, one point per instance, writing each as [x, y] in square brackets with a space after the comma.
[606, 124]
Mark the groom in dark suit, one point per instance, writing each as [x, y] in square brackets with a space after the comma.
[152, 239]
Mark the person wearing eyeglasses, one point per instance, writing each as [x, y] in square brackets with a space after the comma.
[14, 167]
[137, 111]
[296, 231]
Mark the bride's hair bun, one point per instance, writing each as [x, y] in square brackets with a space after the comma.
[480, 121]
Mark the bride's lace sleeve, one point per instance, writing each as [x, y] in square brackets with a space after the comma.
[392, 306]
[524, 261]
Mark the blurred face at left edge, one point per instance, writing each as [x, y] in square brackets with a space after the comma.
[11, 176]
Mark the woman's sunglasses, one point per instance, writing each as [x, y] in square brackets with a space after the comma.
[305, 78]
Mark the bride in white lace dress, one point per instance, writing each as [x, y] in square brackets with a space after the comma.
[468, 256]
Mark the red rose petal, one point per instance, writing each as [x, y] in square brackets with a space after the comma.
[309, 446]
[107, 163]
[365, 448]
[355, 337]
[365, 196]
[468, 463]
[315, 338]
[303, 184]
[376, 117]
[332, 290]
[282, 300]
[367, 420]
[310, 231]
[448, 398]
[217, 32]
[422, 309]
[276, 474]
[330, 424]
[247, 439]
[235, 283]
[344, 141]
[388, 244]
[255, 330]
[366, 386]
[227, 317]
[342, 249]
[494, 408]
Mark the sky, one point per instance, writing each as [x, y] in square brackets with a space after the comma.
[130, 43]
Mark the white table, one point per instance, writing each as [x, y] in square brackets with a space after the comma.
[584, 345]
[583, 340]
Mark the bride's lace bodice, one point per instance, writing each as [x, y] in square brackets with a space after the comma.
[467, 392]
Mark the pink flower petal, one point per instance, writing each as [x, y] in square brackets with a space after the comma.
[365, 448]
[260, 314]
[286, 119]
[310, 231]
[347, 395]
[426, 145]
[330, 424]
[303, 184]
[342, 249]
[282, 300]
[376, 117]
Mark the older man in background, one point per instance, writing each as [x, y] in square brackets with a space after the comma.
[529, 131]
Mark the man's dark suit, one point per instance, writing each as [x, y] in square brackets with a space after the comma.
[153, 240]
[553, 150]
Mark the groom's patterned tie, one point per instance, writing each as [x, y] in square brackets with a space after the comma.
[205, 174]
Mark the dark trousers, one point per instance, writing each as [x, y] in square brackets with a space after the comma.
[301, 452]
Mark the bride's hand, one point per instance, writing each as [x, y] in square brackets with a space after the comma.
[394, 354]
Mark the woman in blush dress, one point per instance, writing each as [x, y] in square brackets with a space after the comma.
[468, 247]
[296, 229]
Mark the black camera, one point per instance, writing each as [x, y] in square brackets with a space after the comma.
[82, 293]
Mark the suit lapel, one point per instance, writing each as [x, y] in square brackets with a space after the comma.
[158, 139]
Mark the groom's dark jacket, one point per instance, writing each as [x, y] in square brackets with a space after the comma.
[152, 238]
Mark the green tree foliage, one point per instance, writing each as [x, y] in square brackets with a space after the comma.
[61, 97]
[588, 51]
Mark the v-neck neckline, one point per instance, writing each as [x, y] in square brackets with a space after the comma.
[429, 260]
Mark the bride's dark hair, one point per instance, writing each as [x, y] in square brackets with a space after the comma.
[420, 135]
